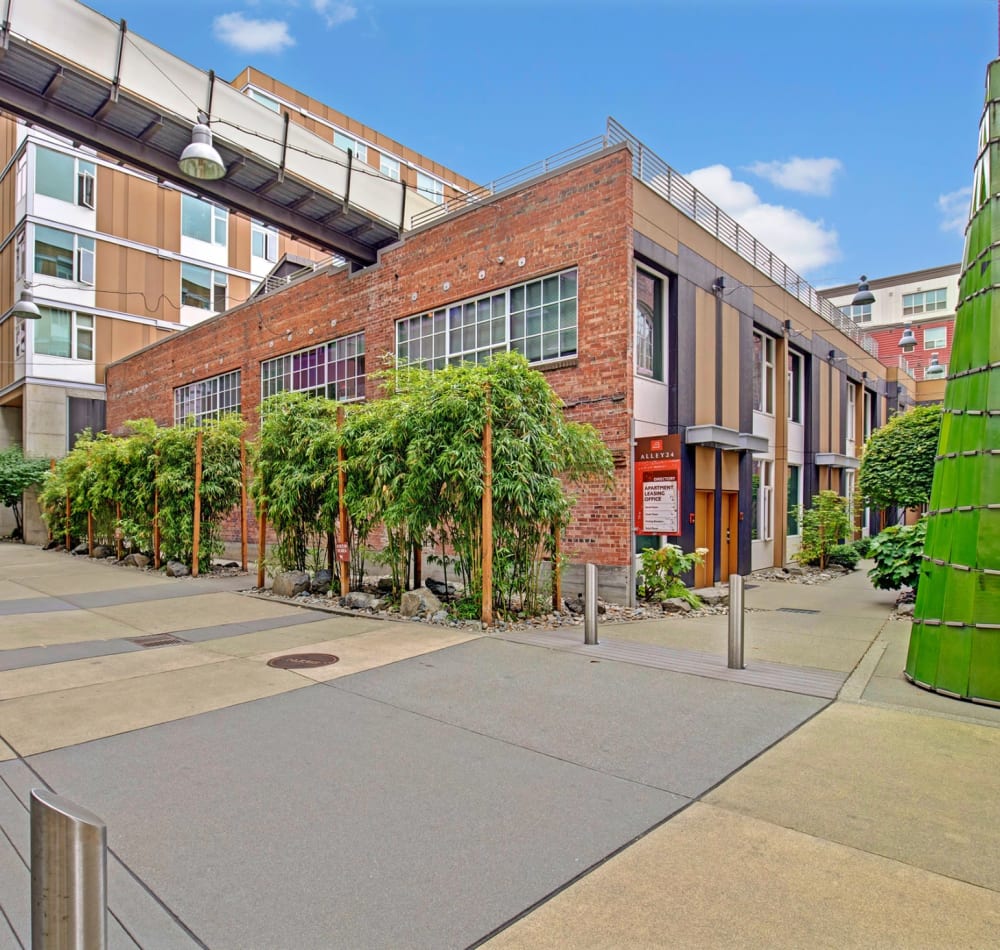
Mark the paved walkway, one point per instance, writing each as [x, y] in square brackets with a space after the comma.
[435, 789]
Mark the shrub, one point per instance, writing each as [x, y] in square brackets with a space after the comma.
[897, 553]
[659, 577]
[843, 555]
[863, 547]
[824, 527]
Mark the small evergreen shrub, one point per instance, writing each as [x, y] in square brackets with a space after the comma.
[843, 555]
[862, 546]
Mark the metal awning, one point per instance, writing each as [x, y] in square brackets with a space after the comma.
[78, 73]
[836, 460]
[729, 440]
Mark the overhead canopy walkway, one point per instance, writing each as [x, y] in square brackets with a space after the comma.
[78, 73]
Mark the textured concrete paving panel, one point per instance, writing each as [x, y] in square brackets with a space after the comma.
[319, 818]
[673, 731]
[712, 879]
[59, 627]
[884, 781]
[53, 720]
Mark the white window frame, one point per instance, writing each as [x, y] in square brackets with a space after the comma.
[389, 166]
[859, 313]
[852, 408]
[81, 325]
[346, 142]
[83, 252]
[796, 381]
[209, 398]
[925, 301]
[86, 184]
[217, 280]
[937, 342]
[20, 257]
[21, 177]
[866, 414]
[218, 223]
[652, 318]
[322, 370]
[797, 501]
[538, 318]
[765, 507]
[269, 239]
[262, 98]
[430, 187]
[765, 367]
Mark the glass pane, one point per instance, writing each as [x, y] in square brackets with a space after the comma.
[52, 333]
[550, 289]
[517, 299]
[534, 324]
[54, 174]
[499, 330]
[533, 349]
[567, 342]
[550, 317]
[53, 253]
[517, 326]
[195, 282]
[567, 312]
[550, 346]
[534, 292]
[567, 284]
[196, 218]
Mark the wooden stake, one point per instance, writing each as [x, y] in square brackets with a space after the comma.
[197, 504]
[243, 500]
[261, 544]
[487, 540]
[68, 545]
[557, 601]
[418, 565]
[345, 566]
[156, 528]
[118, 530]
[52, 468]
[90, 534]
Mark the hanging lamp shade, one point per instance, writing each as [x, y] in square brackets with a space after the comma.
[907, 341]
[864, 294]
[934, 369]
[201, 159]
[26, 307]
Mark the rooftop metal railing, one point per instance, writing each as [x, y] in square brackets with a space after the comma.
[669, 184]
[274, 282]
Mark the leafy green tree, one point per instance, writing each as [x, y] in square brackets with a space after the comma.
[897, 466]
[17, 475]
[824, 527]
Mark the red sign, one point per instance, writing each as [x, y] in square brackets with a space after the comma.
[658, 485]
[343, 552]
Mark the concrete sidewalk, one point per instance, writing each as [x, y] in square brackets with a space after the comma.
[438, 789]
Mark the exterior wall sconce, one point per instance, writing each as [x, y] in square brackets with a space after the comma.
[718, 285]
[907, 342]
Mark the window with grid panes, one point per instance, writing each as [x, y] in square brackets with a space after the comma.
[335, 369]
[207, 398]
[925, 302]
[537, 318]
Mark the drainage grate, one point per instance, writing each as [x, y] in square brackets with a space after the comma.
[796, 610]
[302, 661]
[156, 640]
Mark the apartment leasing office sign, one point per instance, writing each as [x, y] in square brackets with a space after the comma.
[658, 484]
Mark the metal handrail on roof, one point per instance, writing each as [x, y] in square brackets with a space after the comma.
[669, 184]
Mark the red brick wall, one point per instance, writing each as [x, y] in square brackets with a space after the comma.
[580, 217]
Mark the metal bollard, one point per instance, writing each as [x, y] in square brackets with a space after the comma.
[736, 622]
[590, 604]
[69, 875]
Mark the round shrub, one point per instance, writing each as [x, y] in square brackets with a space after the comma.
[843, 555]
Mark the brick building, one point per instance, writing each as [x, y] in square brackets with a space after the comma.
[704, 362]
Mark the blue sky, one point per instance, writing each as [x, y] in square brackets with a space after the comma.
[841, 133]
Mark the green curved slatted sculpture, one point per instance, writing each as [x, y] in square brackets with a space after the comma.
[955, 639]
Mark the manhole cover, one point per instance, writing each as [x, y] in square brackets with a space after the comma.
[302, 661]
[155, 640]
[797, 610]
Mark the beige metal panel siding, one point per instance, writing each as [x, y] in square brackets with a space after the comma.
[239, 242]
[114, 339]
[704, 469]
[730, 471]
[732, 375]
[653, 217]
[704, 359]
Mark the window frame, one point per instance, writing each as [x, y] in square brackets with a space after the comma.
[920, 301]
[79, 330]
[509, 318]
[430, 187]
[859, 313]
[793, 527]
[346, 142]
[763, 373]
[263, 99]
[762, 507]
[269, 238]
[933, 345]
[82, 256]
[796, 387]
[850, 412]
[653, 314]
[213, 288]
[208, 396]
[394, 166]
[218, 221]
[324, 369]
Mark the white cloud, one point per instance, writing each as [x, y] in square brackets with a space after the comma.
[252, 36]
[801, 243]
[811, 176]
[335, 12]
[954, 208]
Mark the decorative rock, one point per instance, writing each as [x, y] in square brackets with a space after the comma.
[714, 595]
[676, 605]
[321, 581]
[905, 610]
[384, 584]
[575, 606]
[358, 600]
[420, 601]
[290, 583]
[441, 617]
[135, 560]
[103, 550]
[223, 564]
[54, 543]
[439, 588]
[176, 569]
[81, 548]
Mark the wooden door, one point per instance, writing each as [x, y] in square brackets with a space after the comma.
[704, 532]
